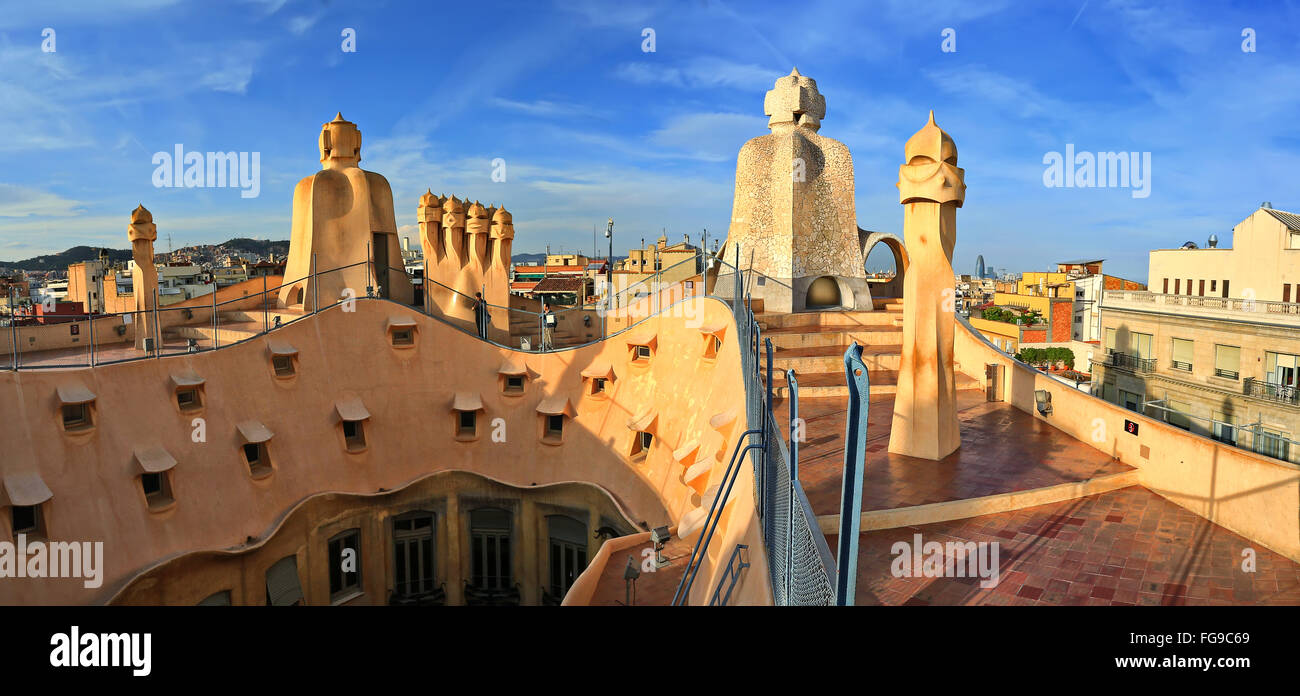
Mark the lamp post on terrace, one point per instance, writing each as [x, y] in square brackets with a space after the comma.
[609, 274]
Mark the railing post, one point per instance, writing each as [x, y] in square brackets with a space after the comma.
[216, 327]
[13, 326]
[855, 436]
[792, 384]
[266, 313]
[315, 287]
[767, 412]
[736, 298]
[157, 329]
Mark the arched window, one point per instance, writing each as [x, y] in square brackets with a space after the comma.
[568, 542]
[490, 560]
[413, 569]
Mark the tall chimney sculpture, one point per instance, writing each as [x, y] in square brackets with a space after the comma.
[144, 278]
[930, 187]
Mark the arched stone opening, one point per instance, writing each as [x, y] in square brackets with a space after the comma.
[822, 293]
[884, 287]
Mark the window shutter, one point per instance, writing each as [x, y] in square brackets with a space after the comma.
[1182, 350]
[1227, 358]
[1110, 339]
[1143, 342]
[282, 586]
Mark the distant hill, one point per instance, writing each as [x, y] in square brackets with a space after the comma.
[60, 261]
[239, 245]
[256, 246]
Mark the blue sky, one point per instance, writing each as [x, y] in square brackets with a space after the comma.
[590, 126]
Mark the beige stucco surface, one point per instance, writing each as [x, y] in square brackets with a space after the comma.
[408, 393]
[1253, 495]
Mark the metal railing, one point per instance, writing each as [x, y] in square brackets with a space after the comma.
[1261, 440]
[799, 560]
[730, 576]
[798, 557]
[91, 340]
[1133, 363]
[1280, 393]
[801, 568]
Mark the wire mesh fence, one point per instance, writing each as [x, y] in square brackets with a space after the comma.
[799, 560]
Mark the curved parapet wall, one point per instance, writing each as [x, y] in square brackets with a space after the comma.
[405, 377]
[1253, 495]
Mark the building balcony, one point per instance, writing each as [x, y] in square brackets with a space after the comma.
[1226, 308]
[1132, 363]
[1280, 393]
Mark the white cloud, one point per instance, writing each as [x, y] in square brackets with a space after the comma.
[540, 107]
[232, 78]
[302, 23]
[52, 14]
[703, 72]
[1007, 93]
[20, 202]
[713, 137]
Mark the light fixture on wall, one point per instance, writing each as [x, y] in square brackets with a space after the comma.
[630, 574]
[1043, 399]
[660, 537]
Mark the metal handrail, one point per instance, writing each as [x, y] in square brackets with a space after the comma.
[719, 503]
[792, 385]
[855, 435]
[732, 572]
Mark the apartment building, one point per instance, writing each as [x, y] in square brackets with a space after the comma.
[86, 285]
[1211, 360]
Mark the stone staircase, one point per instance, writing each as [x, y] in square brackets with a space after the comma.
[813, 345]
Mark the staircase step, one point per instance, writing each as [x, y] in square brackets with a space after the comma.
[805, 337]
[830, 358]
[821, 384]
[826, 319]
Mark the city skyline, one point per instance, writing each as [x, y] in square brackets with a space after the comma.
[585, 123]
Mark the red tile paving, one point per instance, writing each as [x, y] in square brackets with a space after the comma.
[1125, 547]
[1003, 449]
[652, 589]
